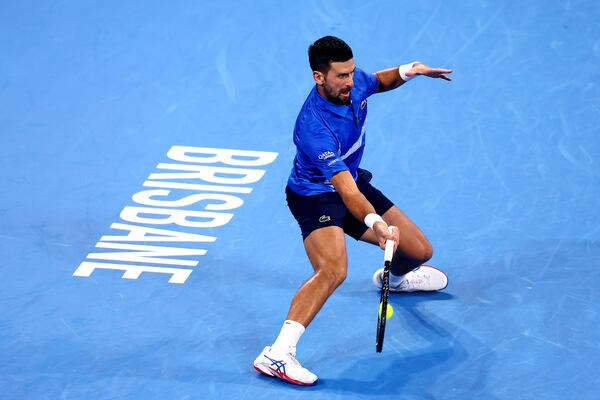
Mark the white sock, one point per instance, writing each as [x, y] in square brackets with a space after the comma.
[395, 279]
[288, 336]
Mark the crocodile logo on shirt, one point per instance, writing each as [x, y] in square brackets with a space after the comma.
[324, 218]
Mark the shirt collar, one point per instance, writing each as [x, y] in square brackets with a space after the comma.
[325, 104]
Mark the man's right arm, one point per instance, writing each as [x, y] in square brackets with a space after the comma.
[355, 201]
[359, 206]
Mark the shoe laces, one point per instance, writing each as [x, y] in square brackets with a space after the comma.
[289, 353]
[292, 354]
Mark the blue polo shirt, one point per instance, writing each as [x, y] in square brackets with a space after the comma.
[330, 137]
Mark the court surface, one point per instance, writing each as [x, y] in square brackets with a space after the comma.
[500, 168]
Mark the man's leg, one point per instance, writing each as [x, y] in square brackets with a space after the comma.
[326, 249]
[413, 248]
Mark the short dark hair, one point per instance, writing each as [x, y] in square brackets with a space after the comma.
[328, 49]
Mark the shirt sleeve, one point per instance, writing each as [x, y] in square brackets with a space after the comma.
[367, 83]
[322, 149]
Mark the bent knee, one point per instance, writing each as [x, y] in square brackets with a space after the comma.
[334, 273]
[420, 252]
[426, 251]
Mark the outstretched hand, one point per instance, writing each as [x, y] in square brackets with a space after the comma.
[422, 69]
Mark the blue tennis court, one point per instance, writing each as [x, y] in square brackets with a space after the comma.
[109, 293]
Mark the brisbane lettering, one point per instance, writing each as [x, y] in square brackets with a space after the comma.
[160, 234]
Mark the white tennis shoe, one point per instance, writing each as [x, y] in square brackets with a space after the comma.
[421, 279]
[284, 366]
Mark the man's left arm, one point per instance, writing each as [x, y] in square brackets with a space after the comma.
[392, 78]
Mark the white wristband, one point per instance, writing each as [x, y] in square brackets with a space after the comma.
[403, 69]
[370, 220]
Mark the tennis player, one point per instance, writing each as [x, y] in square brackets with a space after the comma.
[329, 195]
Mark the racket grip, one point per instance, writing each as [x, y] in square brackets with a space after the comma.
[389, 251]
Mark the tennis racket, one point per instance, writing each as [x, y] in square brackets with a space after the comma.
[385, 290]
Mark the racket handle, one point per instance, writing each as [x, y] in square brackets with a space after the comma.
[389, 251]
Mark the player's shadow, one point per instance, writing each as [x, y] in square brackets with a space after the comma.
[432, 365]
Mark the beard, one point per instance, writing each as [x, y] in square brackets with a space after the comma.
[339, 96]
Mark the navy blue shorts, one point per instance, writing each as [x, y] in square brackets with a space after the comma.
[328, 209]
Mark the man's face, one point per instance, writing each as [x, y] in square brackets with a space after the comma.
[337, 84]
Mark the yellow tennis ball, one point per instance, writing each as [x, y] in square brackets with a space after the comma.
[389, 311]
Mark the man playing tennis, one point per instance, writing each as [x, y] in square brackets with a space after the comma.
[329, 195]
